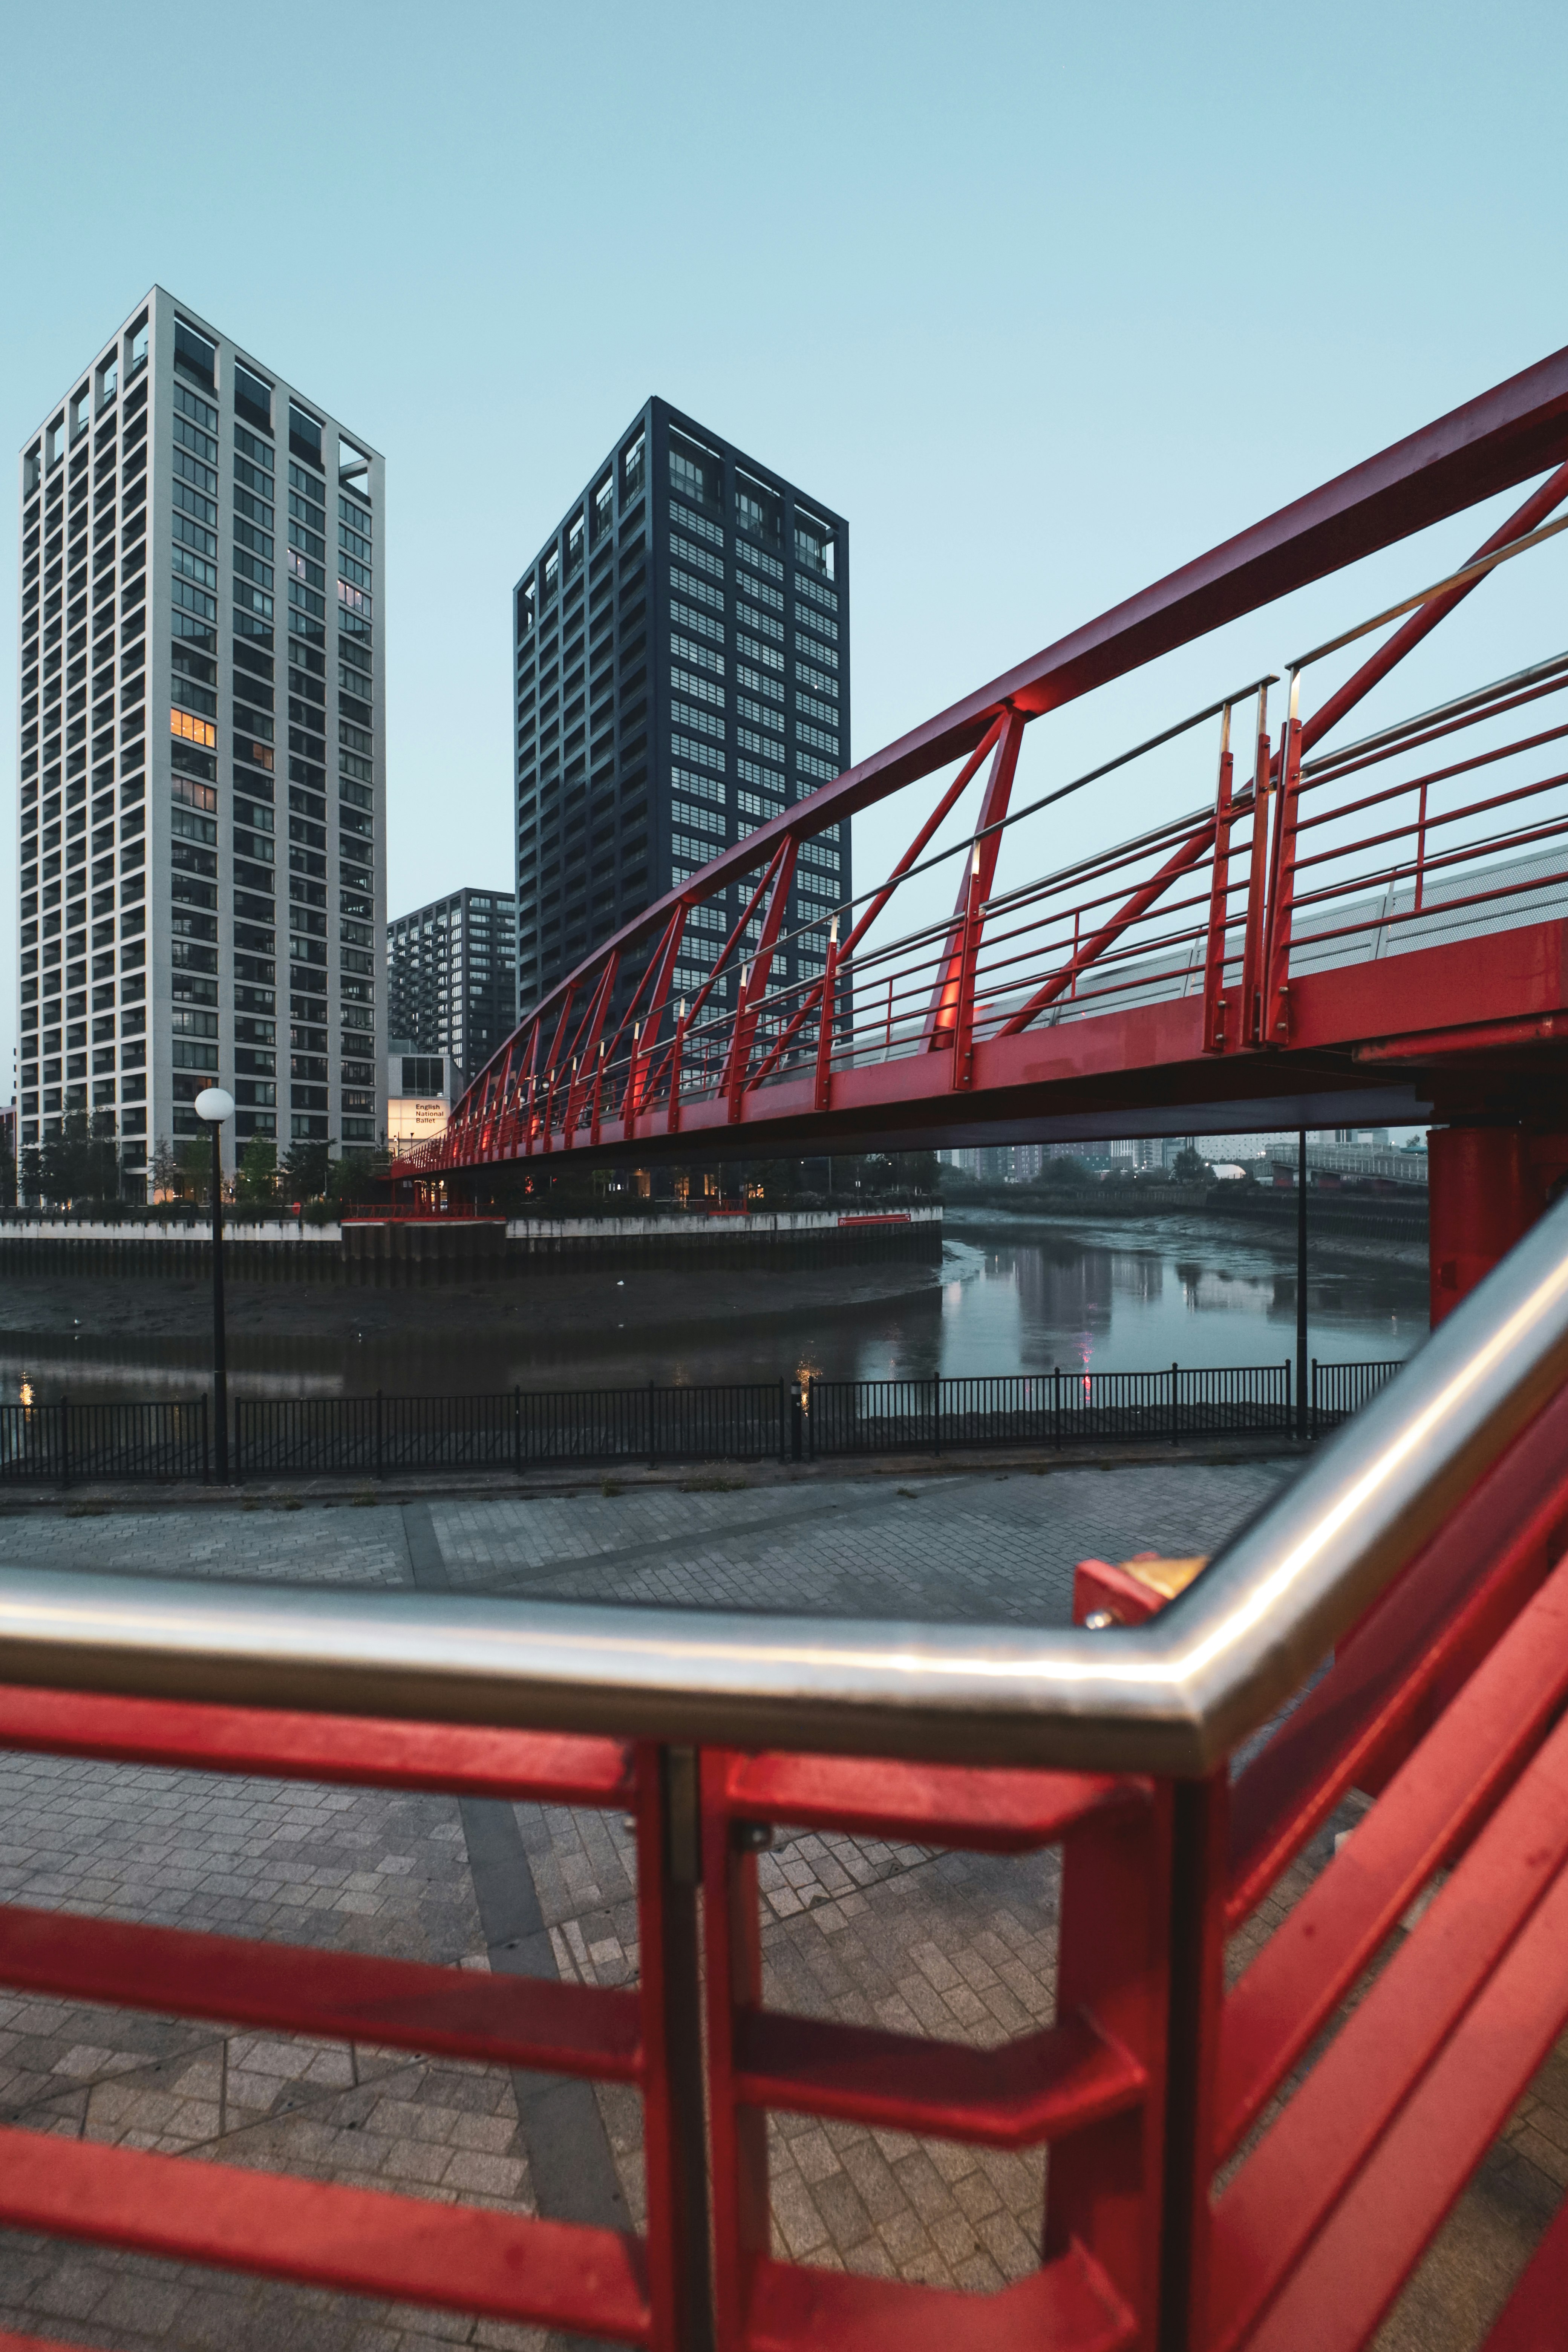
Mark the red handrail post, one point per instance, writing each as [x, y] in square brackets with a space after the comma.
[1275, 1018]
[669, 1870]
[823, 1096]
[969, 951]
[1256, 884]
[1219, 899]
[1199, 1848]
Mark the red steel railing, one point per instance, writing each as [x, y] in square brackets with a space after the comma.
[1230, 905]
[1261, 2093]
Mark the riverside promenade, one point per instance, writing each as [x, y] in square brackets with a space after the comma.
[957, 1946]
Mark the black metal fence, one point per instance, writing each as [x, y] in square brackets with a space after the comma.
[818, 1420]
[1339, 1389]
[65, 1441]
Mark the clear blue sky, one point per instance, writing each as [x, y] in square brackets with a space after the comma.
[1044, 298]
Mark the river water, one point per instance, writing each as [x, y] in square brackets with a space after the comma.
[1010, 1295]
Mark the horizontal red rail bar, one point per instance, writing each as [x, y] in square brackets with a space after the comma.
[1435, 1619]
[355, 1751]
[1452, 1781]
[504, 2020]
[361, 2241]
[1069, 2306]
[1289, 2188]
[1036, 2088]
[934, 1804]
[1368, 2247]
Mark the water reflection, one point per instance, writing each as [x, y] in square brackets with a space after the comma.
[1138, 1298]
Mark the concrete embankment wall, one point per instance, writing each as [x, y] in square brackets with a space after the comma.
[400, 1252]
[1360, 1215]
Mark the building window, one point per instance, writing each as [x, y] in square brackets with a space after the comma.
[552, 575]
[136, 347]
[252, 397]
[305, 437]
[695, 473]
[107, 379]
[632, 471]
[814, 545]
[192, 729]
[194, 356]
[603, 509]
[760, 510]
[574, 546]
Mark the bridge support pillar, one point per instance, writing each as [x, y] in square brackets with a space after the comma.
[1487, 1186]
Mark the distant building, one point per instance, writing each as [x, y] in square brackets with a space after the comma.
[420, 1088]
[202, 757]
[451, 977]
[682, 675]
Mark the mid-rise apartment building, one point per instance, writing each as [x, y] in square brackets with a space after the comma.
[202, 757]
[452, 976]
[682, 675]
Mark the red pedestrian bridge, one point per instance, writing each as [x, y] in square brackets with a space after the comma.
[1347, 928]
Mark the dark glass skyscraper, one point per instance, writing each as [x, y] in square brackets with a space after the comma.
[682, 669]
[451, 977]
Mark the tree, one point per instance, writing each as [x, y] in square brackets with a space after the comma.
[1189, 1167]
[304, 1171]
[7, 1175]
[351, 1176]
[194, 1161]
[32, 1175]
[256, 1179]
[1066, 1169]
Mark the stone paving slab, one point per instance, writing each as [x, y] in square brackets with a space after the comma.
[960, 1947]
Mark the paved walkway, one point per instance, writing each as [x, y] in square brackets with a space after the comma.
[958, 1946]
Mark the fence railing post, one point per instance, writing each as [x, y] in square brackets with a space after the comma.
[65, 1441]
[516, 1431]
[1056, 1406]
[1175, 1408]
[936, 1415]
[379, 1458]
[678, 2167]
[207, 1456]
[1312, 1421]
[796, 1433]
[652, 1441]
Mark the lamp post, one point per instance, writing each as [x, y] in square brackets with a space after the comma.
[215, 1106]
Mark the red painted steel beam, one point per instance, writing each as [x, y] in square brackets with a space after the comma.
[1067, 2306]
[1368, 2247]
[939, 1804]
[506, 2020]
[1431, 1807]
[347, 1752]
[1037, 2087]
[1277, 2215]
[359, 2241]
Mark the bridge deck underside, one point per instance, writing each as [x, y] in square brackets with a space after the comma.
[1141, 1068]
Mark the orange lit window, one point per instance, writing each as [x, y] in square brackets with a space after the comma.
[259, 754]
[192, 730]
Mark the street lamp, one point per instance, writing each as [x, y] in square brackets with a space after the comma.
[214, 1106]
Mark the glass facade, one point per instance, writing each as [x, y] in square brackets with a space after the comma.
[452, 976]
[202, 803]
[674, 689]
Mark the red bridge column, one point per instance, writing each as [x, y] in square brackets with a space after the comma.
[1487, 1186]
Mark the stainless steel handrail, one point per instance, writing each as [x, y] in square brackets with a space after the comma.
[1172, 1696]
